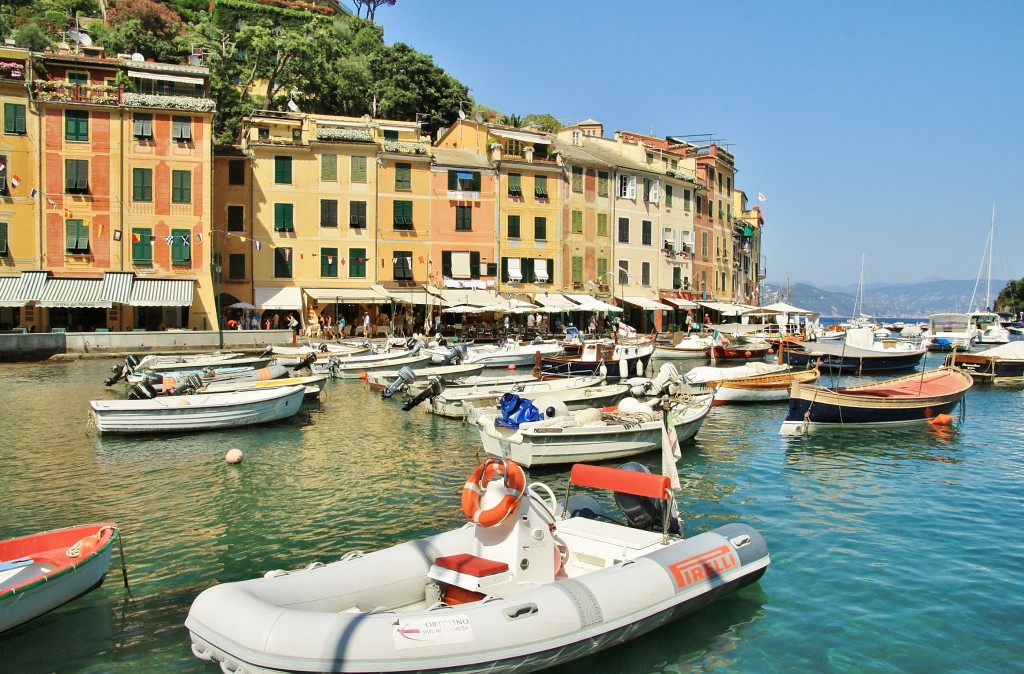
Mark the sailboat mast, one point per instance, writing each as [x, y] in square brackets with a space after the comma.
[991, 242]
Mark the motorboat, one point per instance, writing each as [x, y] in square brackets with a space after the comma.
[529, 583]
[990, 330]
[383, 379]
[361, 368]
[196, 412]
[456, 403]
[947, 332]
[622, 358]
[148, 384]
[43, 571]
[739, 348]
[690, 346]
[512, 352]
[928, 396]
[167, 364]
[860, 354]
[751, 382]
[559, 435]
[1003, 364]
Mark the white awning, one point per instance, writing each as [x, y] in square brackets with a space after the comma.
[32, 284]
[515, 273]
[409, 295]
[278, 298]
[591, 303]
[478, 298]
[162, 292]
[73, 293]
[555, 301]
[644, 302]
[347, 295]
[680, 303]
[520, 135]
[10, 287]
[146, 75]
[540, 269]
[726, 309]
[117, 287]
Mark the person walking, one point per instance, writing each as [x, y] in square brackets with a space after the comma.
[689, 322]
[293, 323]
[366, 324]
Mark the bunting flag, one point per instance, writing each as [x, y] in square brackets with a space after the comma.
[86, 222]
[420, 258]
[51, 202]
[242, 238]
[330, 259]
[184, 239]
[99, 231]
[68, 214]
[33, 193]
[117, 235]
[152, 238]
[136, 238]
[342, 260]
[15, 180]
[258, 245]
[199, 237]
[287, 254]
[169, 239]
[2, 166]
[761, 197]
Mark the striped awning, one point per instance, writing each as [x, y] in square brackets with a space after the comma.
[117, 287]
[162, 292]
[591, 303]
[10, 289]
[32, 283]
[73, 293]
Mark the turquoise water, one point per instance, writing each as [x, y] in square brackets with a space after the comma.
[893, 551]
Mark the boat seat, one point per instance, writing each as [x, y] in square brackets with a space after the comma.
[476, 575]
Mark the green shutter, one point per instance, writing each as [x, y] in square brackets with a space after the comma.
[180, 252]
[328, 167]
[329, 262]
[668, 196]
[602, 224]
[359, 169]
[142, 184]
[446, 263]
[577, 178]
[476, 181]
[540, 229]
[453, 181]
[577, 270]
[515, 184]
[551, 270]
[504, 270]
[142, 250]
[14, 118]
[513, 227]
[540, 186]
[283, 170]
[71, 235]
[403, 176]
[677, 278]
[181, 187]
[602, 270]
[357, 262]
[577, 222]
[76, 125]
[474, 264]
[283, 218]
[3, 238]
[464, 218]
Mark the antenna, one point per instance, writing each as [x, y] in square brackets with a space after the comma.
[292, 105]
[138, 57]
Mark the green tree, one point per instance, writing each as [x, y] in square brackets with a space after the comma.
[371, 7]
[1011, 298]
[543, 122]
[408, 83]
[514, 121]
[141, 26]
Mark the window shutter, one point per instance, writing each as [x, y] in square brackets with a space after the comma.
[446, 263]
[551, 270]
[631, 189]
[453, 181]
[602, 224]
[577, 221]
[359, 169]
[504, 270]
[71, 235]
[474, 264]
[329, 167]
[476, 181]
[329, 262]
[3, 238]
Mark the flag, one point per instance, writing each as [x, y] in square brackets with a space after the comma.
[670, 449]
[199, 237]
[2, 166]
[136, 238]
[99, 231]
[152, 238]
[184, 239]
[242, 238]
[51, 202]
[761, 197]
[86, 222]
[287, 254]
[15, 180]
[330, 259]
[420, 258]
[342, 260]
[258, 245]
[169, 239]
[34, 193]
[117, 235]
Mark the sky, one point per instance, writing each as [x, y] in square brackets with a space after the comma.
[883, 128]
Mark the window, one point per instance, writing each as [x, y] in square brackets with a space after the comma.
[463, 218]
[14, 118]
[403, 177]
[328, 167]
[142, 126]
[390, 135]
[719, 181]
[463, 181]
[704, 244]
[540, 187]
[181, 246]
[602, 183]
[77, 237]
[513, 226]
[142, 245]
[668, 196]
[645, 273]
[602, 270]
[627, 187]
[236, 218]
[358, 165]
[181, 129]
[511, 269]
[282, 262]
[677, 278]
[284, 218]
[623, 272]
[515, 185]
[236, 266]
[357, 214]
[262, 133]
[652, 190]
[513, 147]
[577, 222]
[142, 184]
[577, 179]
[282, 170]
[236, 172]
[76, 176]
[728, 212]
[403, 265]
[403, 215]
[329, 262]
[78, 79]
[728, 186]
[645, 232]
[181, 187]
[602, 224]
[460, 264]
[3, 239]
[540, 228]
[719, 208]
[76, 125]
[357, 263]
[328, 212]
[623, 230]
[577, 270]
[686, 200]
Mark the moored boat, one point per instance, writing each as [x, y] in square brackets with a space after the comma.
[859, 355]
[529, 583]
[382, 379]
[752, 382]
[1003, 364]
[457, 402]
[914, 398]
[950, 331]
[43, 571]
[623, 358]
[690, 346]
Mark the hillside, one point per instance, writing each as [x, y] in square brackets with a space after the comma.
[897, 300]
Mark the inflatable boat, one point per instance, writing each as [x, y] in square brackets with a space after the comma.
[528, 583]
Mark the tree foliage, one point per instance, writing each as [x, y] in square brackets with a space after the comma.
[371, 7]
[543, 122]
[407, 83]
[1011, 298]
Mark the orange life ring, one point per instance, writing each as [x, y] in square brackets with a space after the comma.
[515, 484]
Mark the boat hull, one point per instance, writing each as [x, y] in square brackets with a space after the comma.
[357, 370]
[835, 359]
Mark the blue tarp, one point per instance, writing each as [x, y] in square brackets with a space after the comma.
[516, 410]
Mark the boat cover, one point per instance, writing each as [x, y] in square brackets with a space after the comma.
[516, 410]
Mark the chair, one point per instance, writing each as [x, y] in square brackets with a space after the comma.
[138, 329]
[21, 330]
[102, 329]
[58, 329]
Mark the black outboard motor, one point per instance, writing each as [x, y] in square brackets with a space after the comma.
[323, 348]
[442, 342]
[434, 389]
[644, 512]
[305, 362]
[123, 369]
[585, 505]
[455, 355]
[187, 386]
[144, 390]
[405, 377]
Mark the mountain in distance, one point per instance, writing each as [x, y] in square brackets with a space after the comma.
[898, 300]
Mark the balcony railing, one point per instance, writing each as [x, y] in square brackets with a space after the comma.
[60, 91]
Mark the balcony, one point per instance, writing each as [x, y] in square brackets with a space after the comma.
[59, 91]
[12, 70]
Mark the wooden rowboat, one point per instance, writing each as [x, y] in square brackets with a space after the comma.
[768, 386]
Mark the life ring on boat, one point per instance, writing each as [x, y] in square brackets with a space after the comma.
[515, 485]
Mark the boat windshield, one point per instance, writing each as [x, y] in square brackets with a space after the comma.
[949, 322]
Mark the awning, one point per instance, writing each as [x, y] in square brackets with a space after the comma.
[32, 283]
[591, 303]
[463, 175]
[644, 302]
[478, 298]
[726, 309]
[73, 293]
[680, 303]
[117, 287]
[555, 301]
[150, 292]
[10, 288]
[519, 135]
[278, 298]
[146, 75]
[347, 295]
[409, 295]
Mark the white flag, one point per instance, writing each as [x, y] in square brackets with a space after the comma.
[761, 197]
[670, 450]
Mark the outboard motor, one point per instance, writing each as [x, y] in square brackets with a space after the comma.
[416, 348]
[405, 377]
[323, 348]
[538, 340]
[455, 355]
[585, 505]
[144, 390]
[305, 362]
[643, 512]
[434, 389]
[442, 342]
[186, 386]
[268, 351]
[122, 369]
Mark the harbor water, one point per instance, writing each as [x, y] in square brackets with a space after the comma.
[895, 550]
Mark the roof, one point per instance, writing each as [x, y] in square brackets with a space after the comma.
[446, 156]
[574, 154]
[608, 152]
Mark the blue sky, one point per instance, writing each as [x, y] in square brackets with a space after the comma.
[888, 128]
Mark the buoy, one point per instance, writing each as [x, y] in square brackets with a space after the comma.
[771, 351]
[362, 376]
[747, 354]
[624, 369]
[234, 456]
[941, 420]
[511, 367]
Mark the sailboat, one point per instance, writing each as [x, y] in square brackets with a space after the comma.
[990, 330]
[859, 319]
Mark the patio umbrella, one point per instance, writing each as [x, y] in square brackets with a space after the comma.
[241, 305]
[462, 309]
